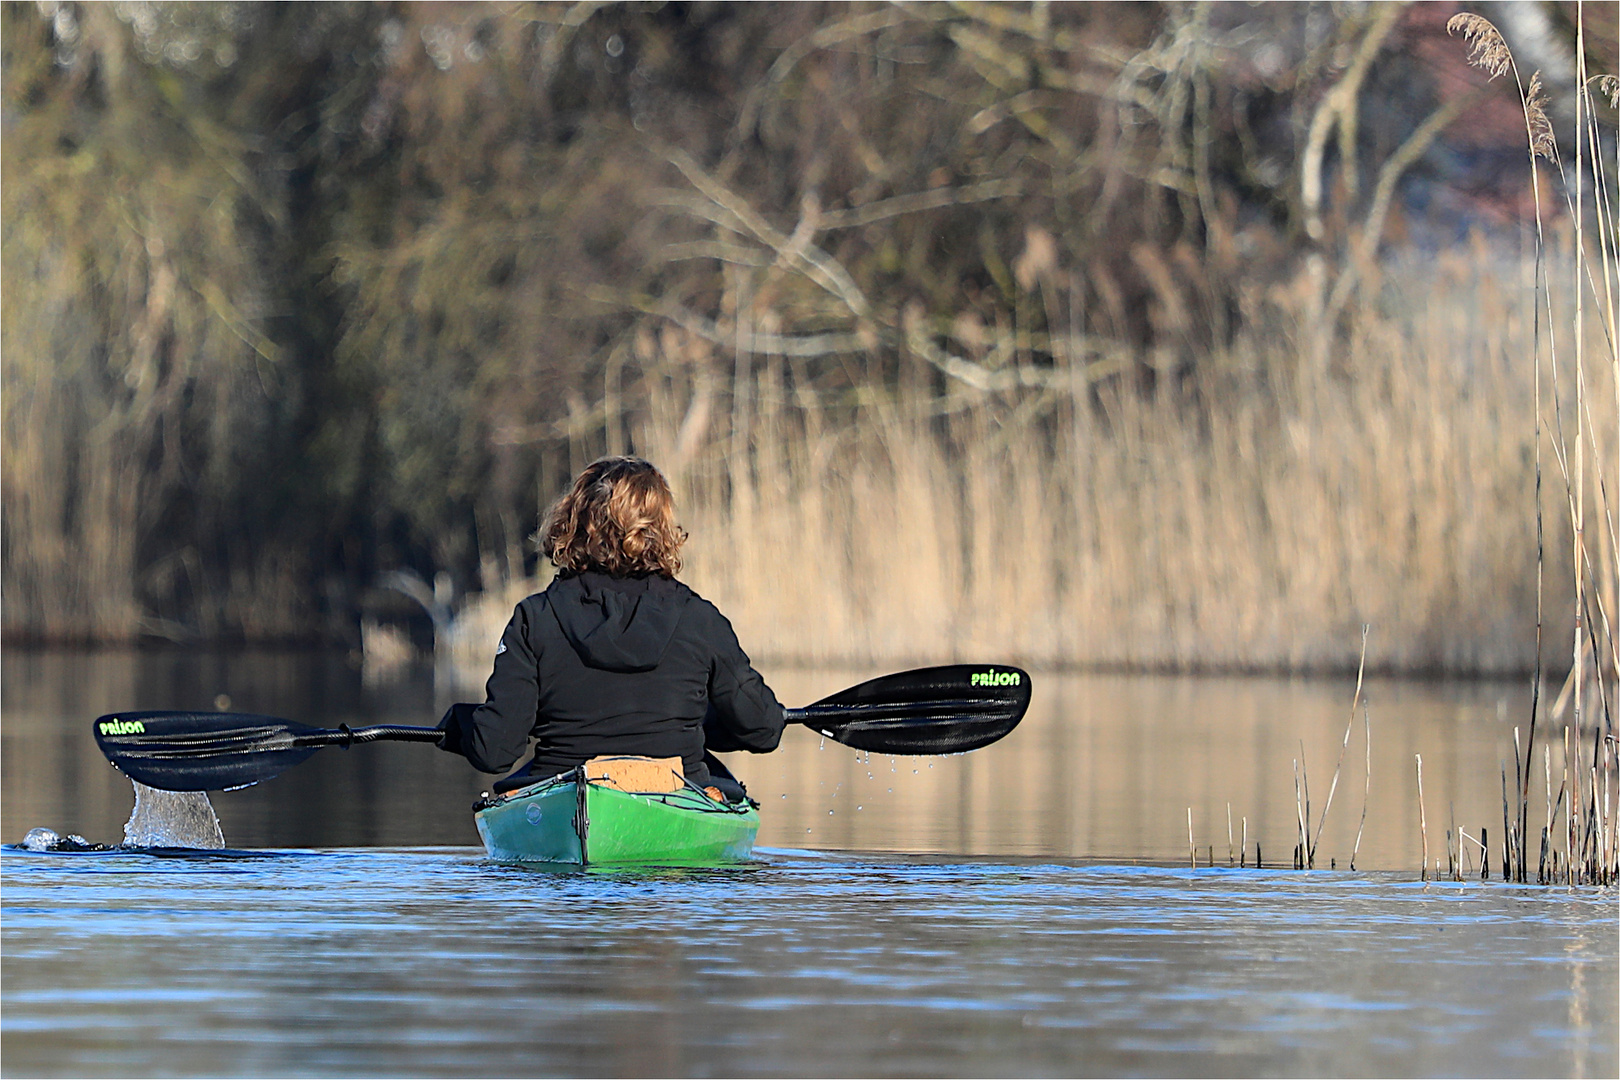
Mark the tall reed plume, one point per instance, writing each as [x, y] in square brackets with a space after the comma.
[1587, 791]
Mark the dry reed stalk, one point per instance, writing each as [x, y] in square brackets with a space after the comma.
[1596, 830]
[1192, 850]
[1361, 668]
[1489, 52]
[1305, 851]
[1578, 517]
[1546, 832]
[1243, 849]
[1521, 784]
[1299, 812]
[1228, 834]
[1423, 818]
[1366, 790]
[1548, 841]
[1484, 852]
[1458, 831]
[1507, 831]
[1612, 850]
[1570, 810]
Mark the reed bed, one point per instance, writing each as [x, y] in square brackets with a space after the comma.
[1245, 515]
[1566, 357]
[922, 396]
[1569, 358]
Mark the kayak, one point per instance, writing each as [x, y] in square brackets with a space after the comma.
[583, 819]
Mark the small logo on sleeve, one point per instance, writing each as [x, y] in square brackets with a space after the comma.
[500, 648]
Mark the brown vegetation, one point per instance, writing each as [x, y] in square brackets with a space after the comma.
[1062, 331]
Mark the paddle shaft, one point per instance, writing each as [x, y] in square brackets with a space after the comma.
[814, 715]
[344, 735]
[810, 716]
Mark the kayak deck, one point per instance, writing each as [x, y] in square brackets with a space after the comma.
[574, 821]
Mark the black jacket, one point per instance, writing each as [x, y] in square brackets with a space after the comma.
[605, 665]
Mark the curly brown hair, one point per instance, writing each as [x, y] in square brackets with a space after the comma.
[619, 518]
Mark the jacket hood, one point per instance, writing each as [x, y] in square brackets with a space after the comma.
[617, 624]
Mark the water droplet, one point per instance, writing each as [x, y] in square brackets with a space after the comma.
[913, 772]
[784, 794]
[809, 830]
[891, 791]
[829, 813]
[860, 808]
[823, 745]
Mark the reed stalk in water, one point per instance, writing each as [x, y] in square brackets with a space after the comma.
[1507, 831]
[1546, 832]
[1423, 818]
[1521, 784]
[1305, 818]
[1361, 668]
[1299, 813]
[1366, 791]
[1192, 849]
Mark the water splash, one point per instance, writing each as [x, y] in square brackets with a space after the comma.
[41, 840]
[183, 819]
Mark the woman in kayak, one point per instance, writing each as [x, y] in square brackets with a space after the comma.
[616, 657]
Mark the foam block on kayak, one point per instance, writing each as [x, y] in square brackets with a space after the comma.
[638, 775]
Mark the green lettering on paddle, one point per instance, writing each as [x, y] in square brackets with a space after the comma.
[996, 678]
[123, 727]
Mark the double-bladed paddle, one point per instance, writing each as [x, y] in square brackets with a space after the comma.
[938, 710]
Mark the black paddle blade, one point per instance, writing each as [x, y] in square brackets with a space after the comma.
[937, 710]
[198, 751]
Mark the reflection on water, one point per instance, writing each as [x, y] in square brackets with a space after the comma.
[1105, 766]
[1001, 954]
[437, 962]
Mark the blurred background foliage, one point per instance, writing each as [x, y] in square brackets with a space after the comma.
[929, 310]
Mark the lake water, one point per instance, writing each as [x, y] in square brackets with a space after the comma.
[1025, 909]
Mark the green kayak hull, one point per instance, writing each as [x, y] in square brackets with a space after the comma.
[558, 822]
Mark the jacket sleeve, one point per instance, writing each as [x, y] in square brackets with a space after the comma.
[743, 713]
[496, 734]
